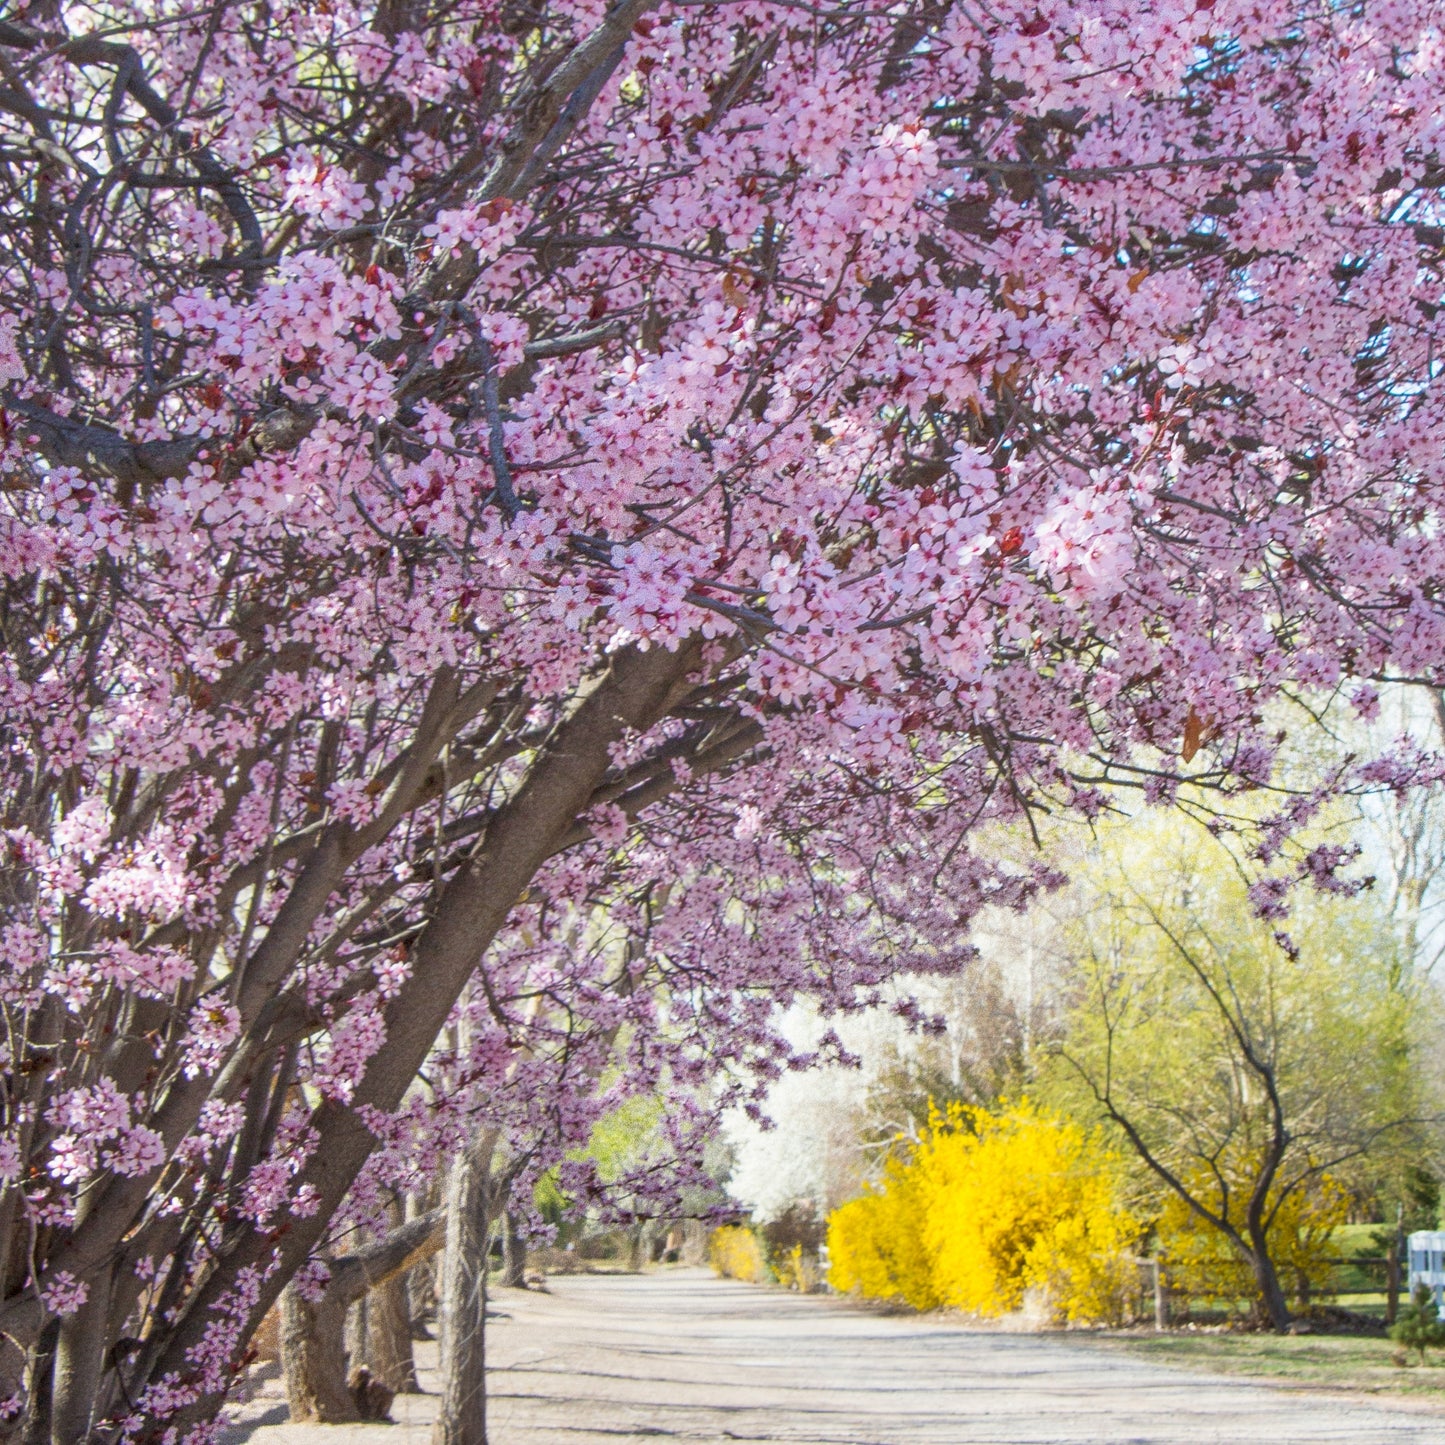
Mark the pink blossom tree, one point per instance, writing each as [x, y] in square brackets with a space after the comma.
[467, 464]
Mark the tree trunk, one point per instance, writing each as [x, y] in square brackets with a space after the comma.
[357, 1318]
[80, 1366]
[313, 1335]
[1393, 1255]
[421, 1281]
[35, 1428]
[538, 820]
[514, 1253]
[694, 1249]
[462, 1419]
[421, 1293]
[1161, 1294]
[639, 1246]
[1271, 1294]
[382, 1322]
[388, 1337]
[313, 1358]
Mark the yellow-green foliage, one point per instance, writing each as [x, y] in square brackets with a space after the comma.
[735, 1252]
[986, 1206]
[1204, 1265]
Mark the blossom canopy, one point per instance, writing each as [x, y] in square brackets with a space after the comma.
[466, 465]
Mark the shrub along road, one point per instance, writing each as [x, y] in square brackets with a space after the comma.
[607, 1360]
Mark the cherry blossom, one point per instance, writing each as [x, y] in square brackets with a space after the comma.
[536, 540]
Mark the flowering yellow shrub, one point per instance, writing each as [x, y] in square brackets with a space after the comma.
[986, 1206]
[1202, 1264]
[876, 1244]
[735, 1252]
[796, 1269]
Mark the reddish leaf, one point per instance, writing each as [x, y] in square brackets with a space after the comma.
[1193, 736]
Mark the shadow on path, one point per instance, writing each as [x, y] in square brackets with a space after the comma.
[602, 1360]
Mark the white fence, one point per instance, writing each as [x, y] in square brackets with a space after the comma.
[1427, 1262]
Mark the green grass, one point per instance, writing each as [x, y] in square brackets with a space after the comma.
[1330, 1362]
[1355, 1284]
[1353, 1241]
[1322, 1362]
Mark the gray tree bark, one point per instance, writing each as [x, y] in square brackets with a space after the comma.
[79, 1366]
[421, 1282]
[514, 1252]
[35, 1428]
[538, 821]
[387, 1351]
[389, 1354]
[1394, 1255]
[313, 1335]
[313, 1358]
[462, 1419]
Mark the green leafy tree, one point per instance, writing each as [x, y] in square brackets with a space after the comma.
[1243, 1057]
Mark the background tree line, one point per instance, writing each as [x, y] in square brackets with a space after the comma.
[1255, 1058]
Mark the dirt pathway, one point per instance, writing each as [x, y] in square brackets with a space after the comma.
[624, 1360]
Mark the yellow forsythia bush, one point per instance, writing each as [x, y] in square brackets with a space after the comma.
[1203, 1265]
[987, 1205]
[735, 1252]
[796, 1269]
[876, 1244]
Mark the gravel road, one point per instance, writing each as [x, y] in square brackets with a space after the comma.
[613, 1360]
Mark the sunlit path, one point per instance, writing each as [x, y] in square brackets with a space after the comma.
[608, 1360]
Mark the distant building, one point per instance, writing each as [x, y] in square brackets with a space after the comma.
[1427, 1262]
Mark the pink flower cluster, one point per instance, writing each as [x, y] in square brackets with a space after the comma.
[508, 589]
